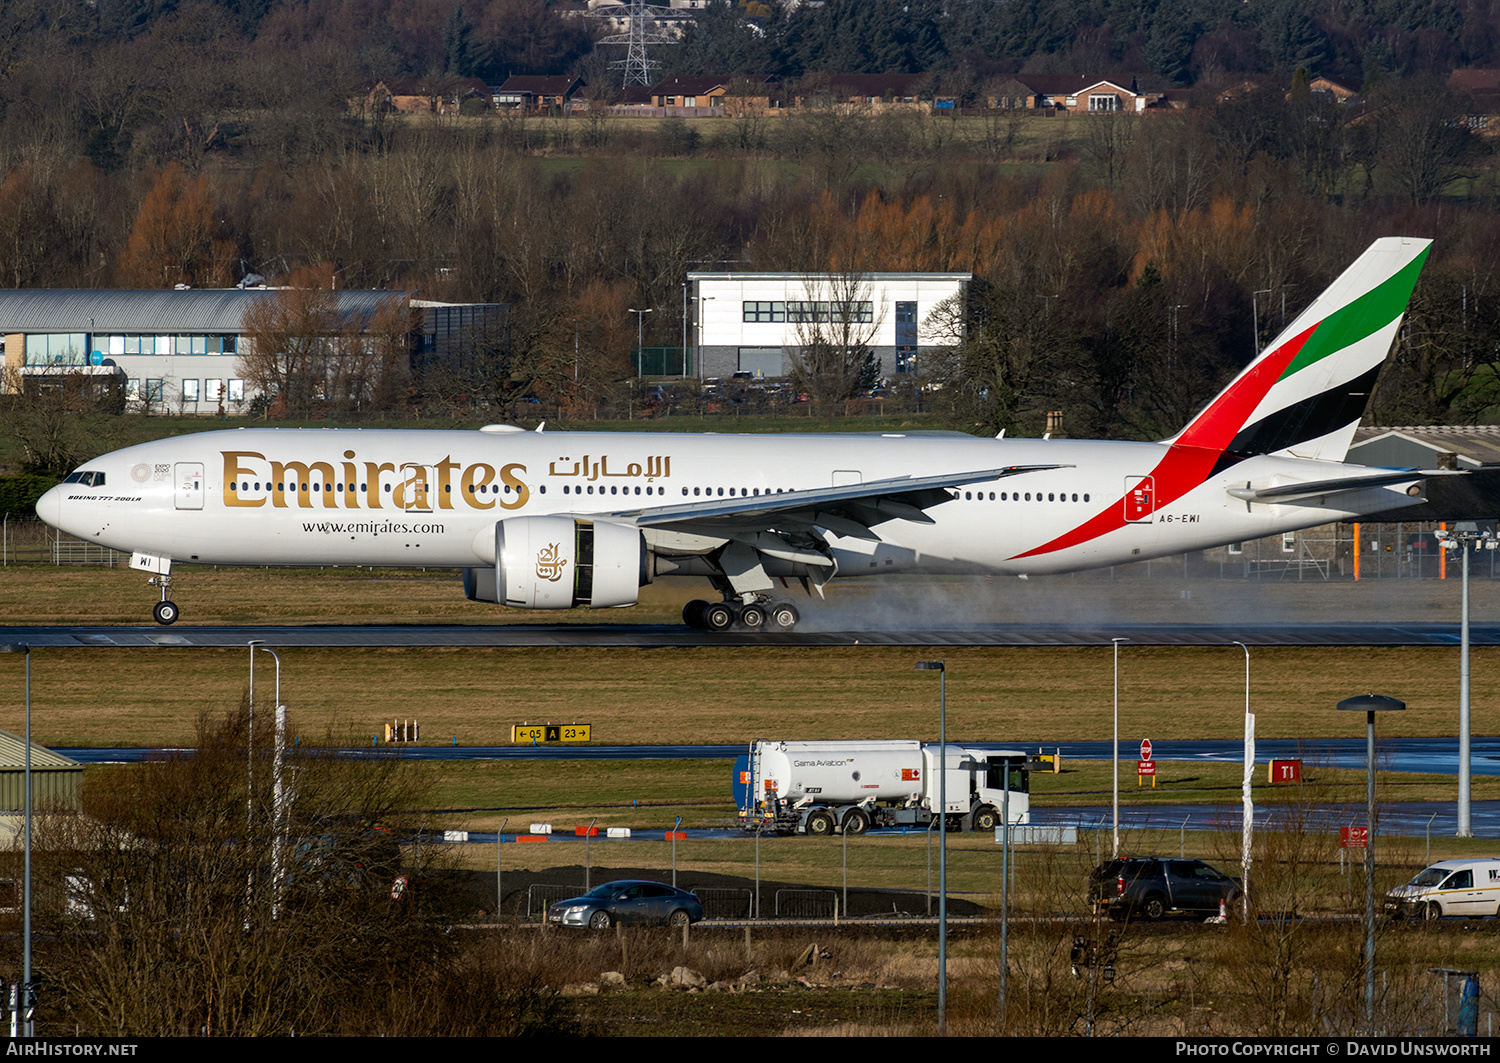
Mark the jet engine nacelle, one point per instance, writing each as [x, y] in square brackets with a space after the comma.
[560, 562]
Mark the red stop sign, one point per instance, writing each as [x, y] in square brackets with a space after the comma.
[1145, 749]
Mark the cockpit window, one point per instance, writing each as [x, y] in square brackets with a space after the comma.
[87, 479]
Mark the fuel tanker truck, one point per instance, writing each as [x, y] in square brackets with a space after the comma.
[823, 788]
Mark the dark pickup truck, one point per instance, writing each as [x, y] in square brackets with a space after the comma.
[1151, 887]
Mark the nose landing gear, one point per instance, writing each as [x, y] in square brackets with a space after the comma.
[163, 612]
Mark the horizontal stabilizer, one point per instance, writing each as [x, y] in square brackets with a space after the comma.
[1323, 488]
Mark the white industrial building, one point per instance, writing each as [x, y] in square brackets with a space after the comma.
[178, 350]
[754, 322]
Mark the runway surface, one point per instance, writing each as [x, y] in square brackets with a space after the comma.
[1433, 755]
[1438, 756]
[646, 636]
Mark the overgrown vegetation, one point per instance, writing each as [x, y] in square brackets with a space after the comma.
[240, 892]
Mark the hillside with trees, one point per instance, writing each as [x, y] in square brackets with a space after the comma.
[1125, 265]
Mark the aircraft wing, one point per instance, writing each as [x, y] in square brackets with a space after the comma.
[850, 509]
[1322, 488]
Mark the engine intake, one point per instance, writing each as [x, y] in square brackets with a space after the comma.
[560, 562]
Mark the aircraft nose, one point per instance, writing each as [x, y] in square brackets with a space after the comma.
[49, 507]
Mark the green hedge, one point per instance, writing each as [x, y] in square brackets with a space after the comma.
[18, 495]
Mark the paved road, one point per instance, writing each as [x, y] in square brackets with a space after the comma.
[647, 636]
[1416, 819]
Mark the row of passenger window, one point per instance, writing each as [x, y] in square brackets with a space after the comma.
[613, 490]
[1025, 496]
[744, 492]
[361, 488]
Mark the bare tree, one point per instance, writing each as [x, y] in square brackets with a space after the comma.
[1107, 137]
[60, 417]
[1424, 140]
[307, 355]
[193, 896]
[993, 346]
[833, 328]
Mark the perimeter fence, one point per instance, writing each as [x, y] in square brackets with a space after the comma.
[1385, 551]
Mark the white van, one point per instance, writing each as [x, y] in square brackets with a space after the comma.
[1449, 887]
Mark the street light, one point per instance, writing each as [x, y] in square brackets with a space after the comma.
[1115, 783]
[1370, 704]
[1465, 536]
[640, 319]
[941, 669]
[1247, 803]
[278, 789]
[1255, 316]
[28, 1028]
[702, 312]
[250, 746]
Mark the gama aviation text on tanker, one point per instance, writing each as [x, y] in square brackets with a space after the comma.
[552, 520]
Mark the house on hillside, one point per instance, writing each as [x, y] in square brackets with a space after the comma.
[1071, 92]
[1482, 89]
[430, 95]
[536, 93]
[732, 95]
[1340, 92]
[870, 90]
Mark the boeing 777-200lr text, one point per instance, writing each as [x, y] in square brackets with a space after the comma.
[553, 520]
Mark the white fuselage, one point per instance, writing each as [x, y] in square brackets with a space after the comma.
[432, 498]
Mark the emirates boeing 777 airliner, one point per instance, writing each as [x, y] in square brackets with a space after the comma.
[552, 520]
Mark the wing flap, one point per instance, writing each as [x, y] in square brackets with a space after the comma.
[890, 499]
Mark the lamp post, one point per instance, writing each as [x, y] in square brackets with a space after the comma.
[1465, 536]
[1255, 316]
[941, 669]
[250, 745]
[702, 310]
[278, 790]
[1115, 775]
[640, 359]
[28, 1028]
[1247, 803]
[1370, 704]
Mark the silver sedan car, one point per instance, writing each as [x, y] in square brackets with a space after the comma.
[628, 902]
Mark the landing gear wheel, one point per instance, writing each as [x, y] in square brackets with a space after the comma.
[692, 612]
[165, 612]
[719, 616]
[600, 920]
[784, 616]
[753, 618]
[820, 825]
[856, 822]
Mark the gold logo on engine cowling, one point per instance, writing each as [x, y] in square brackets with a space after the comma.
[549, 566]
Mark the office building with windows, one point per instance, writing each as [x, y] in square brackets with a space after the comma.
[755, 322]
[178, 350]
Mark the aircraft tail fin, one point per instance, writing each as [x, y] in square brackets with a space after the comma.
[1305, 393]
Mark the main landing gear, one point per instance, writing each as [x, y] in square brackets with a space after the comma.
[756, 616]
[163, 612]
